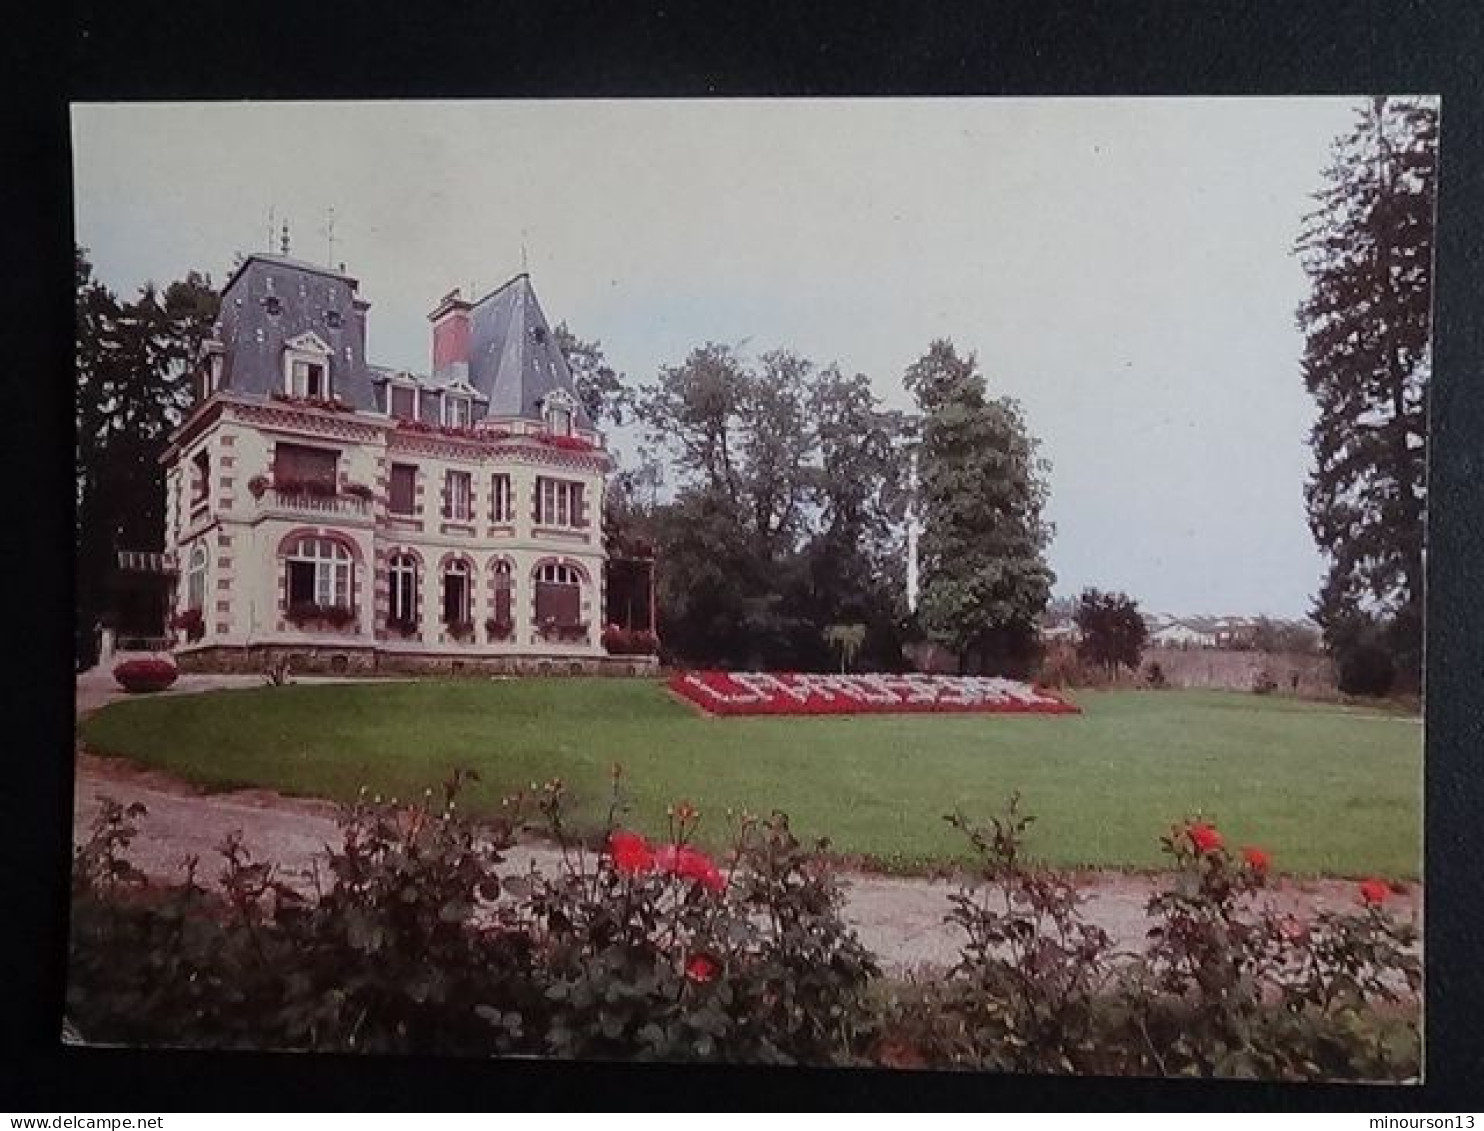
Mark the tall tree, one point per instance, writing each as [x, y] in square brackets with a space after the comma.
[602, 389]
[1113, 630]
[132, 390]
[981, 489]
[784, 472]
[1368, 252]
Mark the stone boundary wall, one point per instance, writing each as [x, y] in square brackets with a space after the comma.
[314, 660]
[1235, 671]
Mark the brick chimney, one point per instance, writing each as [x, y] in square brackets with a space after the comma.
[450, 319]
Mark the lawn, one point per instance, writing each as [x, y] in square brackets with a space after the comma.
[1324, 788]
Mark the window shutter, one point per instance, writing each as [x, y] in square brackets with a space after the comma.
[579, 505]
[536, 501]
[447, 491]
[502, 603]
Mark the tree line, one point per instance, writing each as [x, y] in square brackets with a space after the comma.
[131, 391]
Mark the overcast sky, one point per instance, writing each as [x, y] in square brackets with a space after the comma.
[1122, 267]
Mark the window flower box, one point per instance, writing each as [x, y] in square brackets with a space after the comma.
[192, 622]
[406, 627]
[314, 488]
[327, 404]
[550, 629]
[143, 676]
[460, 630]
[498, 629]
[308, 615]
[569, 443]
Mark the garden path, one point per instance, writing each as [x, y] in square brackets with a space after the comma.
[901, 919]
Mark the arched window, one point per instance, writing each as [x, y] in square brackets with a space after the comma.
[458, 594]
[196, 578]
[558, 594]
[403, 574]
[319, 573]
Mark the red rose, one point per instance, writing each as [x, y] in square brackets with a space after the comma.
[1257, 859]
[700, 968]
[1204, 837]
[1374, 892]
[684, 861]
[630, 852]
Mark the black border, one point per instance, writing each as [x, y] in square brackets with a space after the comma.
[465, 48]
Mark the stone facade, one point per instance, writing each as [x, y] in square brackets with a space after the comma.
[433, 533]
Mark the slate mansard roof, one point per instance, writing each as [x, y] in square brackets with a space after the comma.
[514, 360]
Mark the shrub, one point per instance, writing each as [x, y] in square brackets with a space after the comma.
[1154, 675]
[259, 485]
[1263, 682]
[276, 672]
[619, 641]
[145, 674]
[497, 629]
[192, 622]
[1061, 667]
[416, 936]
[359, 491]
[459, 629]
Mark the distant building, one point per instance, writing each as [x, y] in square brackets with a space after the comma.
[1182, 634]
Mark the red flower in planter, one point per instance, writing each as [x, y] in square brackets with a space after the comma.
[145, 675]
[1204, 837]
[700, 968]
[684, 861]
[1257, 859]
[1374, 892]
[630, 852]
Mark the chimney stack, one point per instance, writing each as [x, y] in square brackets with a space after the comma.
[450, 319]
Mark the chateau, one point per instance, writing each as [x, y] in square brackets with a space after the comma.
[342, 515]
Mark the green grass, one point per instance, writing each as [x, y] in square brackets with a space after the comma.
[1326, 789]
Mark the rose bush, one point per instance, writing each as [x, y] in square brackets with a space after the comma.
[416, 935]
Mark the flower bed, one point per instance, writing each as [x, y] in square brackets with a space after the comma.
[793, 693]
[620, 641]
[145, 675]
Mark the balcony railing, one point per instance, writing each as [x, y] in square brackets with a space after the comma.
[352, 506]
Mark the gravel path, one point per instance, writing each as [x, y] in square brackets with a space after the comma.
[900, 919]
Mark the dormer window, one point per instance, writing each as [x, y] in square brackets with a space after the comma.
[306, 367]
[557, 410]
[273, 305]
[402, 402]
[333, 319]
[307, 379]
[458, 411]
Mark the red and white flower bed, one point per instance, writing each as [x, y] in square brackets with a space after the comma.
[790, 693]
